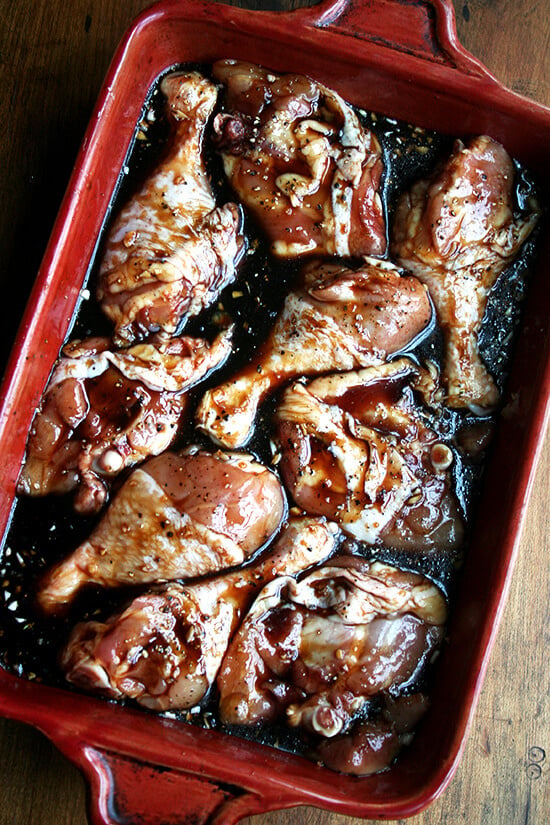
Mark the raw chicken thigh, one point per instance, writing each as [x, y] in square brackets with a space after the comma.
[336, 319]
[315, 650]
[355, 448]
[299, 158]
[107, 409]
[170, 250]
[457, 231]
[165, 649]
[178, 515]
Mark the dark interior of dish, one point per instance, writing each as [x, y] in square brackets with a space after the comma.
[44, 530]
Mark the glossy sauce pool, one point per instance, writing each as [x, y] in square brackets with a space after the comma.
[45, 530]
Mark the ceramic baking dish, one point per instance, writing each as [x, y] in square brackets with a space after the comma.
[399, 58]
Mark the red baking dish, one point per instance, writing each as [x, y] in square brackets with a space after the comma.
[399, 58]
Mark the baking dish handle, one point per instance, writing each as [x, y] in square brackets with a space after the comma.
[125, 791]
[424, 29]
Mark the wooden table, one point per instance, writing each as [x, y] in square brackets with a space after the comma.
[53, 56]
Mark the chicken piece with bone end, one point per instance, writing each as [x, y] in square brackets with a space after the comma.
[106, 409]
[315, 650]
[370, 746]
[457, 231]
[336, 319]
[165, 648]
[170, 250]
[355, 448]
[299, 158]
[179, 515]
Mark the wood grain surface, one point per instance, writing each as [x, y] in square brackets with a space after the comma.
[53, 56]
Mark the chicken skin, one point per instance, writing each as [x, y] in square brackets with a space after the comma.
[106, 409]
[170, 250]
[314, 650]
[179, 515]
[337, 319]
[299, 158]
[457, 231]
[370, 746]
[165, 649]
[355, 448]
